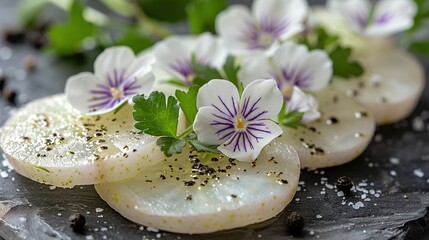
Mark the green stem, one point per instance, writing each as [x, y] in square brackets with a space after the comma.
[186, 132]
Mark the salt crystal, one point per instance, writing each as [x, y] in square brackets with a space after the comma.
[158, 235]
[393, 173]
[367, 199]
[378, 138]
[372, 191]
[311, 233]
[52, 187]
[259, 235]
[22, 219]
[4, 174]
[318, 216]
[152, 229]
[99, 210]
[358, 205]
[394, 160]
[329, 186]
[103, 229]
[89, 237]
[418, 172]
[322, 192]
[5, 53]
[340, 194]
[377, 195]
[418, 124]
[363, 196]
[141, 228]
[297, 199]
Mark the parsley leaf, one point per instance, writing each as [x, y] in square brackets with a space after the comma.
[231, 70]
[155, 116]
[76, 30]
[342, 65]
[192, 140]
[292, 119]
[188, 102]
[420, 47]
[170, 145]
[202, 14]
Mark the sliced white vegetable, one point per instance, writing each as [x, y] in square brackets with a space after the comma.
[339, 136]
[391, 86]
[49, 142]
[178, 195]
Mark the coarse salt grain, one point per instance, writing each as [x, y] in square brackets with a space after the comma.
[418, 172]
[319, 216]
[4, 174]
[358, 205]
[393, 173]
[152, 229]
[99, 210]
[394, 160]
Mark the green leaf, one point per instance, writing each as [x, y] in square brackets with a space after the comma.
[231, 69]
[175, 82]
[202, 14]
[342, 65]
[188, 102]
[135, 39]
[192, 140]
[124, 7]
[165, 10]
[67, 38]
[29, 10]
[204, 73]
[292, 119]
[155, 116]
[170, 145]
[421, 48]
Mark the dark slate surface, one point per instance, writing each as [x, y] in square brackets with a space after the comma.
[396, 198]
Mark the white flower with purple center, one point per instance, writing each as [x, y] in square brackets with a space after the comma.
[118, 75]
[240, 126]
[384, 17]
[175, 55]
[290, 65]
[261, 28]
[303, 103]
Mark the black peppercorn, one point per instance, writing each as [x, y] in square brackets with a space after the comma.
[344, 184]
[10, 96]
[12, 35]
[77, 222]
[295, 223]
[3, 80]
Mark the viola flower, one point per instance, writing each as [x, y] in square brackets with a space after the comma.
[303, 103]
[261, 28]
[118, 75]
[241, 127]
[174, 55]
[290, 65]
[384, 17]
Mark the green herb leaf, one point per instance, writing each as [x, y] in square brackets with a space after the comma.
[342, 65]
[164, 10]
[204, 73]
[67, 38]
[421, 48]
[292, 119]
[188, 102]
[202, 14]
[135, 39]
[29, 10]
[155, 116]
[192, 140]
[121, 7]
[170, 145]
[231, 69]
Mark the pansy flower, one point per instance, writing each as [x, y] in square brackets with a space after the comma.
[175, 55]
[290, 65]
[118, 75]
[375, 19]
[303, 103]
[261, 28]
[240, 126]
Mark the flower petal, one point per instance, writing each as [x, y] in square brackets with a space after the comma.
[261, 99]
[212, 127]
[244, 147]
[209, 50]
[355, 12]
[233, 26]
[392, 16]
[255, 66]
[285, 17]
[78, 94]
[307, 70]
[220, 94]
[304, 103]
[141, 65]
[174, 55]
[119, 58]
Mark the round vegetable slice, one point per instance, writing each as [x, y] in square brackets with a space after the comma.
[50, 142]
[341, 134]
[391, 86]
[197, 193]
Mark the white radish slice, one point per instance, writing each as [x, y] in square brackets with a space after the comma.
[339, 136]
[391, 86]
[50, 142]
[178, 195]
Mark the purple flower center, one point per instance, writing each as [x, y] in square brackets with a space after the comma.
[184, 68]
[116, 88]
[265, 34]
[292, 76]
[240, 126]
